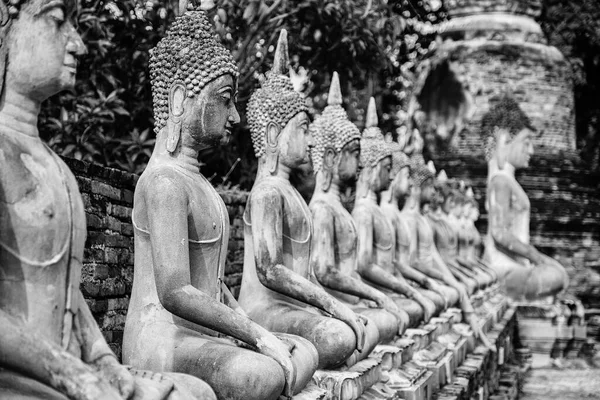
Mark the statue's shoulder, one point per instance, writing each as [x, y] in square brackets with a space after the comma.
[501, 181]
[322, 211]
[161, 180]
[362, 212]
[16, 180]
[265, 189]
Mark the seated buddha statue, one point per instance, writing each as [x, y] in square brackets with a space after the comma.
[427, 258]
[279, 290]
[333, 254]
[440, 217]
[390, 199]
[474, 244]
[376, 239]
[50, 345]
[528, 274]
[459, 216]
[182, 317]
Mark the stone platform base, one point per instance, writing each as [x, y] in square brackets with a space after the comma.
[440, 360]
[546, 331]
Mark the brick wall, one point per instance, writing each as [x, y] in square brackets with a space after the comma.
[565, 210]
[541, 87]
[565, 199]
[107, 274]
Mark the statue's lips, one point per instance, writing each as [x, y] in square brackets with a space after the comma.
[71, 66]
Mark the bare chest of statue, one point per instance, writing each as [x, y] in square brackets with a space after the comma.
[345, 239]
[207, 225]
[383, 234]
[296, 227]
[446, 239]
[297, 230]
[41, 212]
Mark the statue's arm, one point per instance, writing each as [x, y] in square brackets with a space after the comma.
[366, 267]
[402, 255]
[499, 211]
[323, 261]
[26, 351]
[266, 211]
[167, 206]
[230, 301]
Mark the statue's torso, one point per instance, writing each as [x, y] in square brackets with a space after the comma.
[517, 222]
[445, 236]
[465, 238]
[208, 235]
[296, 237]
[42, 237]
[403, 242]
[345, 242]
[425, 242]
[383, 233]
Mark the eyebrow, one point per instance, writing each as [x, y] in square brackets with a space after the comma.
[52, 4]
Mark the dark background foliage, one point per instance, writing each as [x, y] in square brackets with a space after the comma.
[374, 45]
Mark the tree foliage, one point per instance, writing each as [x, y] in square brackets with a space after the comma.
[109, 119]
[574, 28]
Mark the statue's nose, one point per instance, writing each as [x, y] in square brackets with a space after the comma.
[75, 44]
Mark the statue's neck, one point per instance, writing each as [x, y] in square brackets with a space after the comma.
[282, 171]
[493, 168]
[387, 197]
[332, 190]
[19, 113]
[411, 204]
[364, 185]
[510, 169]
[185, 155]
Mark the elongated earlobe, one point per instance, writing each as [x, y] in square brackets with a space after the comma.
[272, 150]
[328, 168]
[177, 96]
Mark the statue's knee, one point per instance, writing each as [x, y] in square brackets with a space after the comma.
[252, 376]
[372, 336]
[392, 326]
[188, 387]
[335, 342]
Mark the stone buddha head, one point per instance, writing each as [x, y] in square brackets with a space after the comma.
[400, 173]
[336, 152]
[423, 179]
[39, 47]
[194, 84]
[375, 156]
[278, 118]
[508, 134]
[445, 195]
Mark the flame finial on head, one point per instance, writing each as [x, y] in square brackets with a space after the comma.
[282, 58]
[431, 167]
[442, 177]
[335, 91]
[372, 120]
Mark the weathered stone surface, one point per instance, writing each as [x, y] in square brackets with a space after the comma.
[565, 208]
[107, 274]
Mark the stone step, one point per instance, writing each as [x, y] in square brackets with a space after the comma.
[480, 374]
[311, 392]
[391, 356]
[420, 388]
[351, 383]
